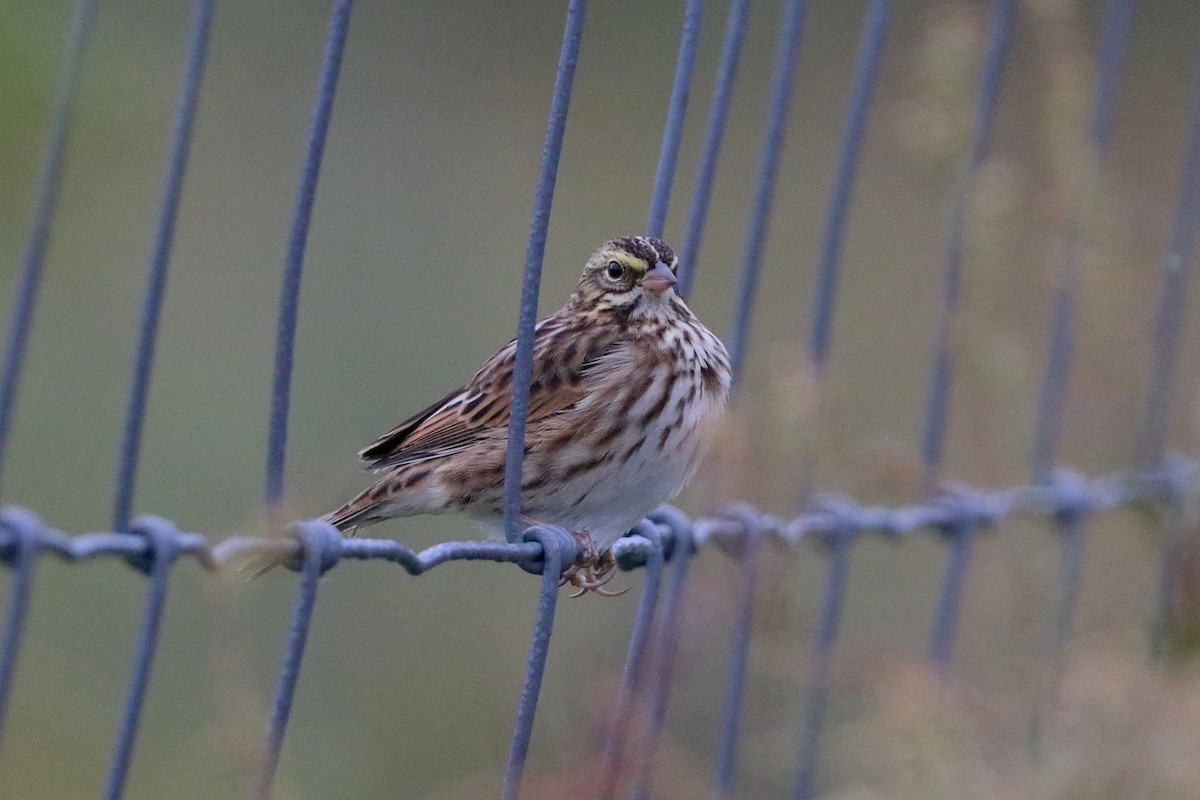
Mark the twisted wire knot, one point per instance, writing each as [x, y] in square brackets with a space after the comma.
[735, 530]
[966, 510]
[630, 553]
[1181, 477]
[20, 531]
[841, 518]
[1073, 498]
[162, 543]
[679, 530]
[318, 540]
[555, 541]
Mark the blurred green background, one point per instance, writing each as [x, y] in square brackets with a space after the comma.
[412, 279]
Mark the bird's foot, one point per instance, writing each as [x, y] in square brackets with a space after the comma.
[591, 570]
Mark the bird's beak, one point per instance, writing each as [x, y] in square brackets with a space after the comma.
[659, 279]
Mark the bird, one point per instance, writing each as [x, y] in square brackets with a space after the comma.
[627, 387]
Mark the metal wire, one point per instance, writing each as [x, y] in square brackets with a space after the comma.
[319, 553]
[941, 375]
[531, 282]
[945, 621]
[710, 148]
[958, 514]
[749, 529]
[1072, 527]
[557, 551]
[316, 547]
[293, 264]
[663, 657]
[685, 66]
[787, 53]
[821, 660]
[613, 761]
[870, 50]
[1178, 265]
[1047, 426]
[20, 556]
[45, 203]
[156, 563]
[728, 532]
[156, 273]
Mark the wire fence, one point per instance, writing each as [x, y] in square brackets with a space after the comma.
[663, 544]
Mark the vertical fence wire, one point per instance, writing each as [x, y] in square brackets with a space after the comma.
[725, 768]
[710, 148]
[45, 203]
[961, 537]
[320, 543]
[666, 627]
[614, 758]
[557, 548]
[293, 265]
[156, 276]
[866, 70]
[161, 552]
[1177, 269]
[1178, 265]
[685, 67]
[1071, 524]
[612, 764]
[535, 251]
[821, 660]
[558, 551]
[941, 373]
[20, 556]
[1111, 56]
[321, 547]
[787, 54]
[663, 659]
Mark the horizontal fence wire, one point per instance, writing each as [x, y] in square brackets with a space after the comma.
[1064, 492]
[315, 547]
[1064, 498]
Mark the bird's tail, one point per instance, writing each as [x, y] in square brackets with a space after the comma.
[347, 519]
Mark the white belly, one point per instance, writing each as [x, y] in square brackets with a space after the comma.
[610, 499]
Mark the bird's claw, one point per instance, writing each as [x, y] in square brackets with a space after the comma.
[591, 571]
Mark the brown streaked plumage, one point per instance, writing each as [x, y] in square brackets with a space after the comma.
[626, 385]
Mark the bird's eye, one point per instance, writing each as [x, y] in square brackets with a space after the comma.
[616, 270]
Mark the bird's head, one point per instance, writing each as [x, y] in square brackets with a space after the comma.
[627, 275]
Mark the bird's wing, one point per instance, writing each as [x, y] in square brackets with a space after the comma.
[563, 351]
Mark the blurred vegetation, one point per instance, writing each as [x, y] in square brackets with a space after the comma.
[412, 279]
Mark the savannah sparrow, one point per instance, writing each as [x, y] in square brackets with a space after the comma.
[626, 386]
